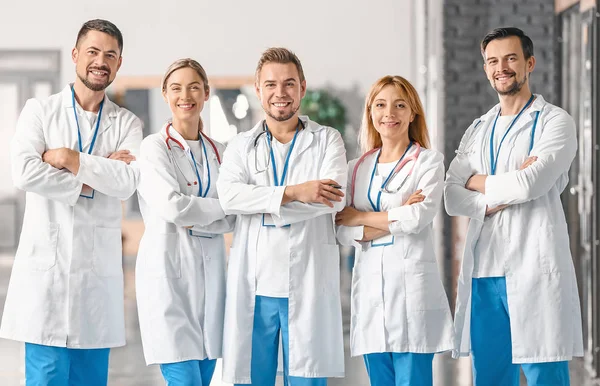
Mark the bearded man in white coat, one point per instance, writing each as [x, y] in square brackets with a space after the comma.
[284, 179]
[71, 153]
[517, 303]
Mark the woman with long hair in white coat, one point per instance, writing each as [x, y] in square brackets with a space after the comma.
[180, 271]
[400, 312]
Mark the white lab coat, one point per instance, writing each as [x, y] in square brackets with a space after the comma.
[180, 279]
[398, 301]
[543, 303]
[66, 287]
[315, 315]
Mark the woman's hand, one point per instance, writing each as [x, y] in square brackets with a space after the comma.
[415, 198]
[349, 217]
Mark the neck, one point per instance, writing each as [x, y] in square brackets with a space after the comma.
[283, 131]
[88, 100]
[393, 149]
[189, 129]
[512, 104]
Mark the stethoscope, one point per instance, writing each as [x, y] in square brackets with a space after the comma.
[270, 156]
[192, 159]
[385, 186]
[494, 161]
[77, 122]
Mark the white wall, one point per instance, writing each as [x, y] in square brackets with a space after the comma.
[371, 39]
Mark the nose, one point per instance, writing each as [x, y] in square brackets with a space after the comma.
[280, 91]
[389, 110]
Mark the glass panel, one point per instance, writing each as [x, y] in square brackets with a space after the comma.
[9, 110]
[42, 90]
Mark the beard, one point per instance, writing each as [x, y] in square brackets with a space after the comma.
[95, 86]
[283, 118]
[514, 88]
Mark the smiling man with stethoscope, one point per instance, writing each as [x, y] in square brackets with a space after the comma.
[517, 304]
[283, 276]
[71, 154]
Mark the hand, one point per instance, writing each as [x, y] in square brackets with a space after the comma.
[349, 217]
[528, 162]
[415, 198]
[122, 155]
[61, 158]
[491, 211]
[477, 183]
[314, 192]
[370, 233]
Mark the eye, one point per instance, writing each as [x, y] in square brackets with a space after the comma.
[176, 89]
[378, 105]
[111, 56]
[91, 52]
[194, 87]
[290, 84]
[400, 105]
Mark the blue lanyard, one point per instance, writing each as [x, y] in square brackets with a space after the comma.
[494, 162]
[200, 194]
[377, 208]
[287, 159]
[77, 122]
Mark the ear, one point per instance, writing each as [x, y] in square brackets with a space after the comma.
[530, 64]
[207, 93]
[164, 95]
[257, 89]
[302, 89]
[74, 54]
[119, 63]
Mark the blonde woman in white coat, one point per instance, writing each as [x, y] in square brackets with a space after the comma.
[400, 312]
[180, 271]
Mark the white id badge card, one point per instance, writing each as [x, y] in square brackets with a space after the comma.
[267, 221]
[201, 234]
[383, 241]
[87, 192]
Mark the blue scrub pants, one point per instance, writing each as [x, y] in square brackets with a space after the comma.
[271, 318]
[399, 369]
[189, 373]
[491, 342]
[61, 366]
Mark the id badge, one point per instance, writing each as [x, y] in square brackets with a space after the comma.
[267, 221]
[383, 241]
[87, 192]
[200, 234]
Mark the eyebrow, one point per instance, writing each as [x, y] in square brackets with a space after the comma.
[274, 81]
[178, 84]
[98, 49]
[505, 56]
[396, 100]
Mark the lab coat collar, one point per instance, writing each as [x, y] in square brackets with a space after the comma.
[538, 105]
[109, 112]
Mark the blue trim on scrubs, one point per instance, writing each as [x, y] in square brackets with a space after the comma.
[189, 373]
[61, 366]
[271, 319]
[399, 369]
[491, 347]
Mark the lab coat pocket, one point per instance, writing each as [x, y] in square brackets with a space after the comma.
[163, 259]
[38, 248]
[424, 289]
[551, 251]
[107, 259]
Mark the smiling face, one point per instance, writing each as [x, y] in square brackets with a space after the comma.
[185, 92]
[97, 59]
[390, 113]
[280, 90]
[506, 67]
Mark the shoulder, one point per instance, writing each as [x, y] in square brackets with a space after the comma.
[153, 142]
[431, 156]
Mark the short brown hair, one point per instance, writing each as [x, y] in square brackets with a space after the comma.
[279, 55]
[369, 138]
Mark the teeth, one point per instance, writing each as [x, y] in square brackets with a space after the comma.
[185, 106]
[99, 73]
[280, 104]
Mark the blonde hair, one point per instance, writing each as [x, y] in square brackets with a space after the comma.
[369, 138]
[185, 63]
[279, 55]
